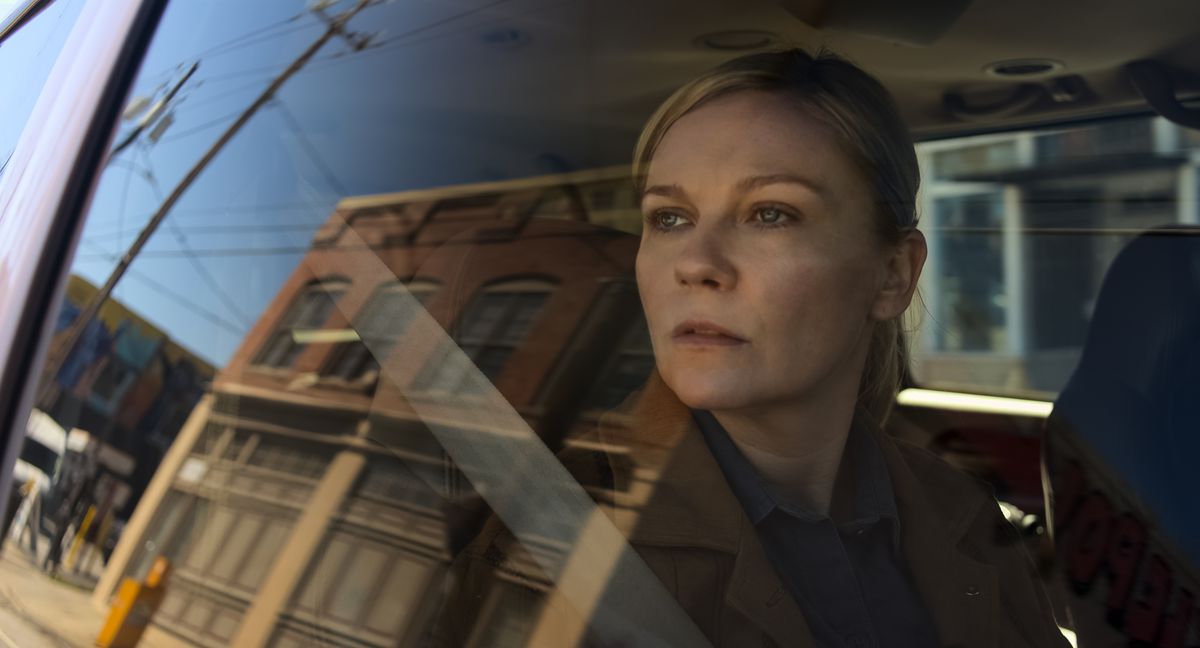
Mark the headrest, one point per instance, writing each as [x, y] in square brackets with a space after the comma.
[1134, 399]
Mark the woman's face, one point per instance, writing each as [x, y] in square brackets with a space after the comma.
[759, 268]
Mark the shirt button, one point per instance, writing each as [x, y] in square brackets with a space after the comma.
[972, 591]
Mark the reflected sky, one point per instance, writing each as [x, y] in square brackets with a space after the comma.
[445, 93]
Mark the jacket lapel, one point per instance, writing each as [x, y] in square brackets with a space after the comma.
[692, 506]
[756, 591]
[935, 514]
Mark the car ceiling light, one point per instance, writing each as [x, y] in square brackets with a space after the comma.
[960, 402]
[505, 38]
[734, 40]
[1023, 68]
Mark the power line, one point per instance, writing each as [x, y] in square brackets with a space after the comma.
[172, 294]
[200, 268]
[256, 210]
[261, 39]
[124, 200]
[202, 127]
[267, 207]
[291, 250]
[204, 101]
[155, 113]
[218, 46]
[222, 229]
[377, 47]
[400, 41]
[445, 21]
[313, 153]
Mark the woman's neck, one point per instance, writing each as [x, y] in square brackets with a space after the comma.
[796, 448]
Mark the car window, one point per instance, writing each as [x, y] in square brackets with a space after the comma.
[352, 352]
[26, 57]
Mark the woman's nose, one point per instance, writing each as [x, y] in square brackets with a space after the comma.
[704, 261]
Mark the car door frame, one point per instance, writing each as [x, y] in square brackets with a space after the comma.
[47, 187]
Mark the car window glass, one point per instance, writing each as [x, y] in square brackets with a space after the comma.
[377, 370]
[26, 58]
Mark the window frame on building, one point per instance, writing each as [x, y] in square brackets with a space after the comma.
[366, 353]
[432, 377]
[283, 342]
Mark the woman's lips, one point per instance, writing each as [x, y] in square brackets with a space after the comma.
[704, 333]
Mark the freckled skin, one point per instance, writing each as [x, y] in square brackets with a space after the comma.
[803, 294]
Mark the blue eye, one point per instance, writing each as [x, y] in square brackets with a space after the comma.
[666, 220]
[770, 215]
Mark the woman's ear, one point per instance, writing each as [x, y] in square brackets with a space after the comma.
[902, 273]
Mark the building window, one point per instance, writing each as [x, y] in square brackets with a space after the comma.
[111, 384]
[627, 370]
[379, 324]
[972, 299]
[493, 325]
[309, 312]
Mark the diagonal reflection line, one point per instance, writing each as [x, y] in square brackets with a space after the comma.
[600, 576]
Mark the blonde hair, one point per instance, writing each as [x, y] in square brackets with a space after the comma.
[863, 116]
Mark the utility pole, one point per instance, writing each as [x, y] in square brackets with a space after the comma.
[59, 354]
[153, 114]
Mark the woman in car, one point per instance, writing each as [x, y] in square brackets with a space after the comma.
[778, 253]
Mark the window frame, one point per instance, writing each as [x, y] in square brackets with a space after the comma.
[421, 289]
[426, 378]
[285, 327]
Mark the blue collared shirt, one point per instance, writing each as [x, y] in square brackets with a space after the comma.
[848, 576]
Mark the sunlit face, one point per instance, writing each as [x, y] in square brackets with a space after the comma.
[759, 268]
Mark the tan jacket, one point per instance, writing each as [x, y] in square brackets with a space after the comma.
[966, 559]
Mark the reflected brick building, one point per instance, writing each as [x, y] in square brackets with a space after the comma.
[305, 496]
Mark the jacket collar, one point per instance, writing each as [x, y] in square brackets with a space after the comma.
[692, 505]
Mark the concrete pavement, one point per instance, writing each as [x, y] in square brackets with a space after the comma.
[38, 610]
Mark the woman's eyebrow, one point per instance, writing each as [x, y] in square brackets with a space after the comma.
[666, 191]
[745, 184]
[755, 182]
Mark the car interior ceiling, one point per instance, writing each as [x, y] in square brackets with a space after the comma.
[956, 66]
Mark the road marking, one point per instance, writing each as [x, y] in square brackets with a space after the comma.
[8, 642]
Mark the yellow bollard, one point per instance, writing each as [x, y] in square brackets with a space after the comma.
[79, 533]
[133, 608]
[97, 547]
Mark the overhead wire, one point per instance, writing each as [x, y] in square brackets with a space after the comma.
[250, 34]
[181, 238]
[223, 229]
[207, 99]
[170, 293]
[202, 127]
[402, 41]
[377, 46]
[317, 159]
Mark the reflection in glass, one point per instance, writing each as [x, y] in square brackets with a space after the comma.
[270, 386]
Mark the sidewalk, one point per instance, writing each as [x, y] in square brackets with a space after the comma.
[60, 613]
[38, 611]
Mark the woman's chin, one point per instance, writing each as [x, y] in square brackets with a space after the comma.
[707, 393]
